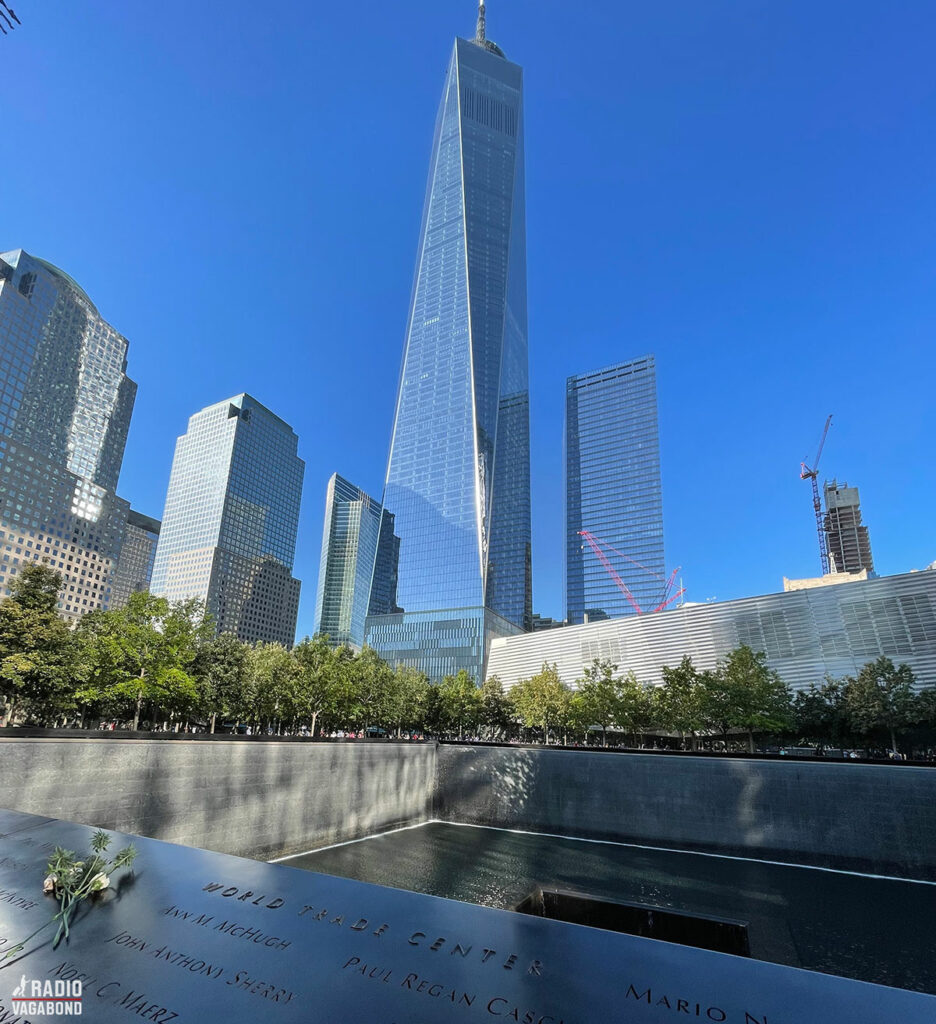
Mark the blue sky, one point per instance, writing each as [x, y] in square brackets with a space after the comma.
[745, 188]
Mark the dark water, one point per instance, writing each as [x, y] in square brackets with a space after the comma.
[859, 927]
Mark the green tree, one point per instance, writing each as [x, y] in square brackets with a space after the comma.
[143, 653]
[344, 709]
[405, 698]
[542, 701]
[758, 699]
[682, 700]
[820, 713]
[461, 703]
[38, 656]
[374, 679]
[881, 697]
[433, 710]
[636, 705]
[220, 669]
[598, 698]
[318, 673]
[272, 682]
[495, 713]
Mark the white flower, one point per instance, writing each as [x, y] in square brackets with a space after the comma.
[49, 884]
[99, 882]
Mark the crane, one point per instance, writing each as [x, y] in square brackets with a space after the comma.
[6, 13]
[597, 545]
[811, 474]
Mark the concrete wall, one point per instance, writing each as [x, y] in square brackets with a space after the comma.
[253, 799]
[874, 818]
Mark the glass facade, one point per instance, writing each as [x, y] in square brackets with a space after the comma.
[137, 555]
[65, 406]
[613, 491]
[350, 539]
[232, 512]
[458, 477]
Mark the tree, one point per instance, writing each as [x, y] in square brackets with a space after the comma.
[757, 698]
[597, 701]
[38, 657]
[220, 668]
[495, 707]
[542, 700]
[143, 653]
[405, 698]
[345, 704]
[820, 713]
[461, 703]
[317, 678]
[272, 682]
[682, 699]
[882, 697]
[636, 705]
[374, 678]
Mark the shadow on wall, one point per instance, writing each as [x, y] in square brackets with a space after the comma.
[247, 798]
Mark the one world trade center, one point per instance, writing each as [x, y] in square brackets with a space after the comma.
[458, 475]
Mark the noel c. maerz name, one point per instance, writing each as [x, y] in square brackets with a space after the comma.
[336, 917]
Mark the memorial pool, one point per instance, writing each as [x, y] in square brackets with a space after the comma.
[857, 926]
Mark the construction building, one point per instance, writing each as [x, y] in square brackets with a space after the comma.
[848, 542]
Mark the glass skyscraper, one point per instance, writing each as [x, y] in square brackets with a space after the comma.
[356, 529]
[613, 492]
[229, 529]
[458, 477]
[65, 406]
[137, 555]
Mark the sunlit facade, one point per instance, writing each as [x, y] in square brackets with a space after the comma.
[232, 512]
[65, 406]
[614, 492]
[458, 478]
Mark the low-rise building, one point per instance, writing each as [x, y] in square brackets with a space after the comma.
[806, 634]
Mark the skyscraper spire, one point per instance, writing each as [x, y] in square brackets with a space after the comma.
[480, 34]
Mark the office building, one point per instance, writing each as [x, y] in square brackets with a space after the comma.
[848, 541]
[543, 622]
[805, 634]
[356, 528]
[65, 409]
[613, 494]
[137, 554]
[458, 477]
[229, 528]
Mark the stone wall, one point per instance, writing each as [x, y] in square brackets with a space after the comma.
[267, 798]
[247, 797]
[877, 818]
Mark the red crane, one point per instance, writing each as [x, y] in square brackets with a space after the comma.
[811, 474]
[597, 545]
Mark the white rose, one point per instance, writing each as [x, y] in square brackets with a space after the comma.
[99, 882]
[49, 884]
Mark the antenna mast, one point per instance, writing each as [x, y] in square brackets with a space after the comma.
[481, 35]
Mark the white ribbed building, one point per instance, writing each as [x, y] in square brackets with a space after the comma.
[806, 634]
